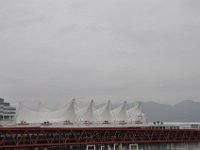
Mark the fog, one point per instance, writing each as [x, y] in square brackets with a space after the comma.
[108, 49]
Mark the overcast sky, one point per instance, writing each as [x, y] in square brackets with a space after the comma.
[56, 50]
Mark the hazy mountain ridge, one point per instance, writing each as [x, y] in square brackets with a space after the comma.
[184, 111]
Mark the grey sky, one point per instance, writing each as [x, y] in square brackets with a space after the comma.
[55, 50]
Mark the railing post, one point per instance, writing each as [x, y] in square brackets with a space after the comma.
[87, 147]
[120, 146]
[134, 146]
[102, 147]
[114, 146]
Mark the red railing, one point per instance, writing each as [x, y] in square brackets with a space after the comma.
[37, 137]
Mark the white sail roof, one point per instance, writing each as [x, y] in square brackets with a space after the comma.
[104, 113]
[136, 113]
[121, 113]
[28, 115]
[31, 116]
[65, 114]
[72, 113]
[42, 108]
[137, 109]
[88, 113]
[82, 110]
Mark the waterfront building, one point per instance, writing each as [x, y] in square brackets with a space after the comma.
[7, 112]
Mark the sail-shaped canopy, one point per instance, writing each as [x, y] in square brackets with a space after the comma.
[88, 114]
[31, 116]
[104, 113]
[136, 114]
[121, 113]
[42, 108]
[135, 109]
[64, 114]
[26, 114]
[72, 113]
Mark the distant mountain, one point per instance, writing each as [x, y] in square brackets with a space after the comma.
[185, 111]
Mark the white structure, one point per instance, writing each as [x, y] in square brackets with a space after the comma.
[71, 114]
[42, 108]
[26, 114]
[121, 113]
[104, 113]
[87, 114]
[136, 114]
[68, 113]
[7, 112]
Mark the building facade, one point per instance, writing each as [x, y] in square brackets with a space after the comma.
[7, 112]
